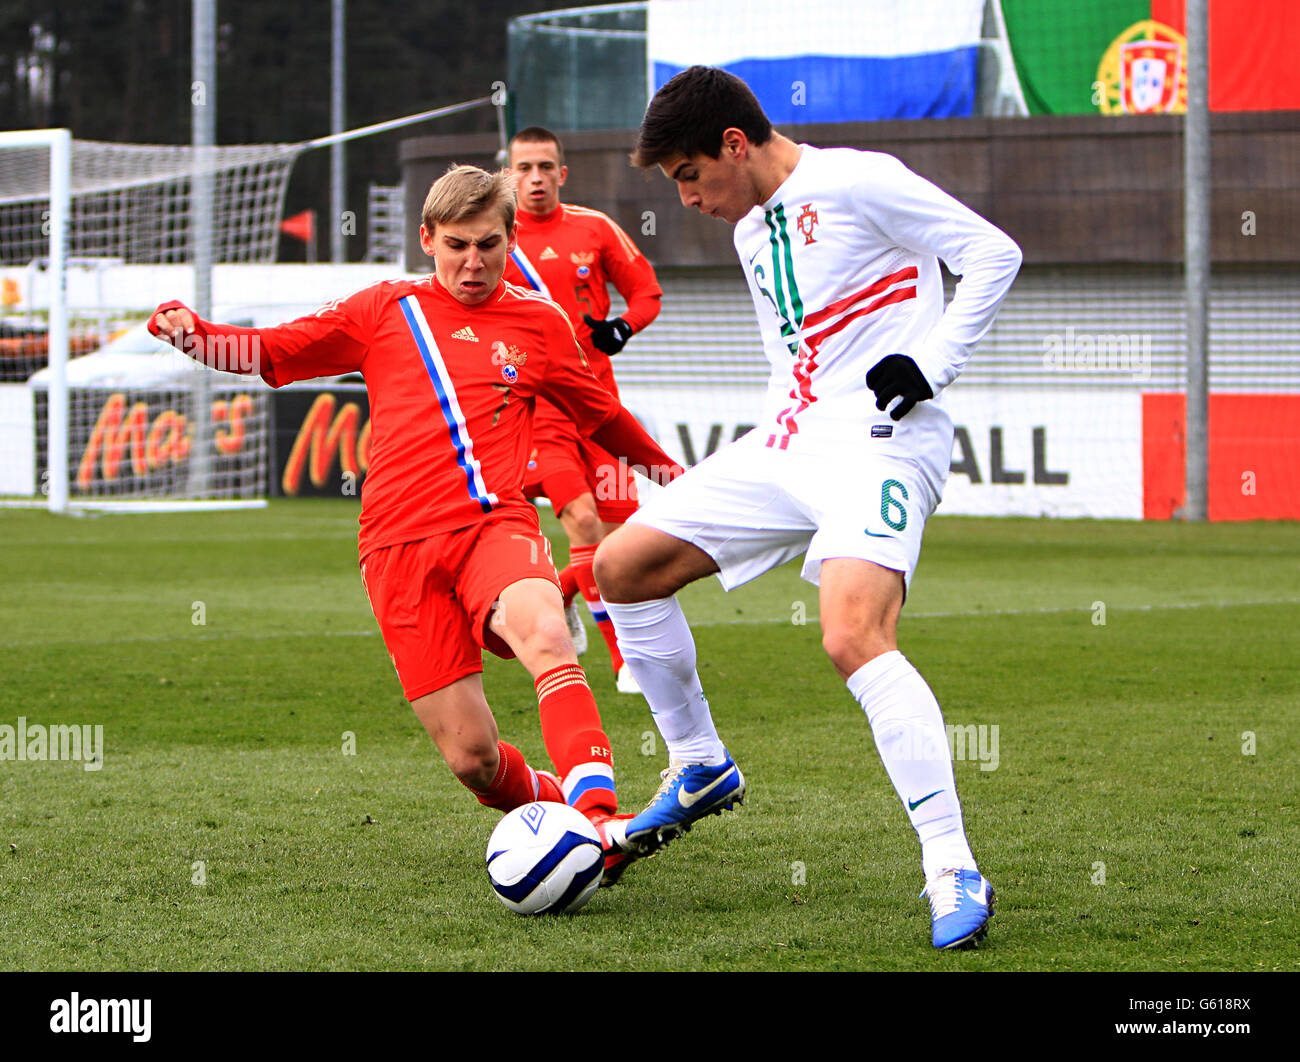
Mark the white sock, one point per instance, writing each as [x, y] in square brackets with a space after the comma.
[913, 744]
[657, 644]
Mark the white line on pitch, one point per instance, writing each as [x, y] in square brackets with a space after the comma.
[1027, 611]
[263, 635]
[209, 637]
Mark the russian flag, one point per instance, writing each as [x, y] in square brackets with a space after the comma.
[827, 60]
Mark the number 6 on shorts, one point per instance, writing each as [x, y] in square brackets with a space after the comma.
[888, 503]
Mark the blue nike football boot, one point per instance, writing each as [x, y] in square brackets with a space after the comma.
[961, 904]
[689, 791]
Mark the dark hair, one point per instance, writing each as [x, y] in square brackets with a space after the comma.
[690, 113]
[535, 134]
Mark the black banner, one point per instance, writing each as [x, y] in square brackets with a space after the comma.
[322, 441]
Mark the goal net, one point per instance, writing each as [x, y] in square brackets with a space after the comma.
[136, 423]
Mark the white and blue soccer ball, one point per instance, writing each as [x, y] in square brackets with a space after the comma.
[544, 858]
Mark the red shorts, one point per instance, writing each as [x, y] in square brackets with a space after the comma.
[433, 598]
[565, 466]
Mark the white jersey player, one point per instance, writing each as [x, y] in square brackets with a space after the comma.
[841, 251]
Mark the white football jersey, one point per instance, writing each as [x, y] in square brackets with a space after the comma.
[843, 266]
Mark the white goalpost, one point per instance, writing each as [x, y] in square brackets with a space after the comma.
[125, 430]
[56, 144]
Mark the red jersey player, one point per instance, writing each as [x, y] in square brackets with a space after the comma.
[572, 253]
[452, 556]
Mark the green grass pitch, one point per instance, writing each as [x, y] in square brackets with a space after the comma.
[267, 801]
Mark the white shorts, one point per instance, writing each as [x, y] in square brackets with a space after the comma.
[752, 508]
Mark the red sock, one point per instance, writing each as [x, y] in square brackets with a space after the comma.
[569, 584]
[575, 739]
[548, 788]
[606, 627]
[580, 558]
[515, 784]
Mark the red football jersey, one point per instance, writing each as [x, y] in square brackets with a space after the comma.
[452, 389]
[577, 252]
[573, 254]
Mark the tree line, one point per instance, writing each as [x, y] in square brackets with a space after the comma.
[120, 70]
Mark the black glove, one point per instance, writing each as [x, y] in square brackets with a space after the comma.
[608, 336]
[898, 376]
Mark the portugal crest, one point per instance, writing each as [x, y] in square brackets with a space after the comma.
[1144, 71]
[806, 222]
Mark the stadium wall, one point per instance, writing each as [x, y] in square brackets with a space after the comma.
[1083, 190]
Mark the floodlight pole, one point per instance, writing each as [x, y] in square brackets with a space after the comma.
[338, 172]
[1196, 257]
[203, 136]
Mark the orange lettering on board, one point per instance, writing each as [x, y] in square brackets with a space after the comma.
[236, 412]
[165, 439]
[110, 438]
[321, 436]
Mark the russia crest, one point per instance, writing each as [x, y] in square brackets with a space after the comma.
[509, 373]
[584, 260]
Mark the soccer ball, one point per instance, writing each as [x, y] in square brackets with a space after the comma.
[544, 858]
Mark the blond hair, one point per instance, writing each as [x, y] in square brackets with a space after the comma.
[467, 191]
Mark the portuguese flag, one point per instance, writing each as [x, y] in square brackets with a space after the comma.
[1127, 56]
